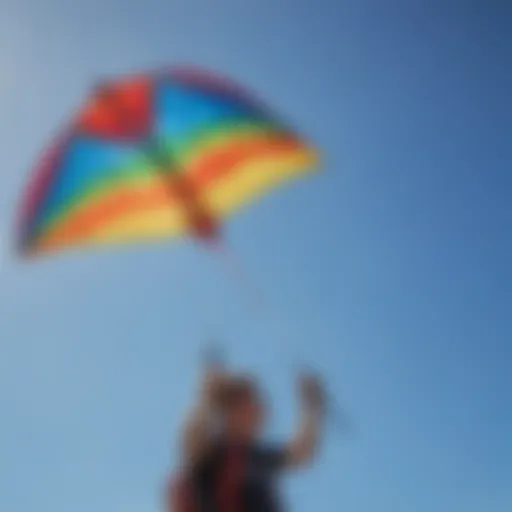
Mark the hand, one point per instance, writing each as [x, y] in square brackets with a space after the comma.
[214, 383]
[312, 392]
[215, 376]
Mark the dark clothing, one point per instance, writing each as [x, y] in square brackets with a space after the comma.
[236, 479]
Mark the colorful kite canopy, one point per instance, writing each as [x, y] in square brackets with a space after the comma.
[154, 156]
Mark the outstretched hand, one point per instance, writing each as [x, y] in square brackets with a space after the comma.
[214, 376]
[213, 385]
[312, 392]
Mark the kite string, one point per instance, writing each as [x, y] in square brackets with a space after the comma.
[241, 276]
[261, 305]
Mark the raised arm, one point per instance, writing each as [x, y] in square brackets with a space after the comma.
[200, 426]
[303, 446]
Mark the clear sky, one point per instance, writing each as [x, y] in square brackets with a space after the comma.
[389, 271]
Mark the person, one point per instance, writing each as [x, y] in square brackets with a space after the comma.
[225, 466]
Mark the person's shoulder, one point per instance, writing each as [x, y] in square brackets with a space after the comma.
[267, 448]
[267, 444]
[271, 455]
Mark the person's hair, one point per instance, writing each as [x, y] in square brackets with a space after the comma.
[237, 390]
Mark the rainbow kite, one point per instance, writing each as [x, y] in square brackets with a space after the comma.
[155, 156]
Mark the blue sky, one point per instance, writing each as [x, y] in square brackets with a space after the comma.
[390, 271]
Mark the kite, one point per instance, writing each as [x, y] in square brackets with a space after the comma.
[154, 156]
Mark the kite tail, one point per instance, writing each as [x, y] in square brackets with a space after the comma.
[240, 274]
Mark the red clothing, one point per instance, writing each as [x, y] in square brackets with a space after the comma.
[231, 479]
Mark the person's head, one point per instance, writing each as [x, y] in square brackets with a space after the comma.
[242, 408]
